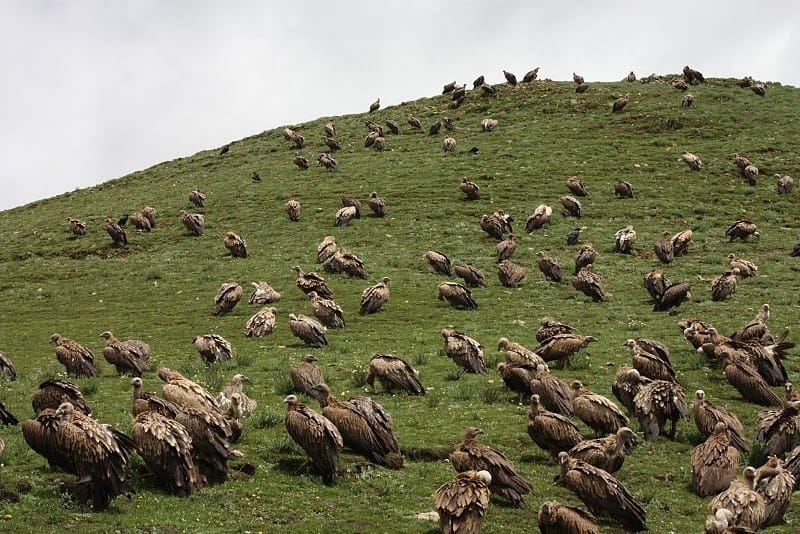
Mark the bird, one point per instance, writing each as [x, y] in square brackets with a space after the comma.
[488, 90]
[554, 393]
[439, 261]
[664, 249]
[435, 127]
[631, 77]
[149, 213]
[746, 379]
[125, 356]
[576, 186]
[393, 373]
[393, 126]
[495, 225]
[539, 218]
[327, 311]
[650, 362]
[506, 481]
[489, 124]
[573, 236]
[166, 448]
[301, 161]
[255, 176]
[550, 266]
[330, 129]
[374, 297]
[470, 189]
[551, 431]
[603, 494]
[456, 295]
[332, 143]
[448, 144]
[462, 502]
[598, 412]
[795, 251]
[758, 89]
[517, 377]
[691, 160]
[590, 283]
[466, 352]
[306, 375]
[228, 296]
[375, 106]
[345, 262]
[606, 453]
[510, 78]
[692, 76]
[235, 244]
[478, 81]
[626, 385]
[549, 327]
[742, 229]
[624, 239]
[213, 348]
[714, 462]
[581, 88]
[77, 359]
[76, 226]
[414, 122]
[7, 370]
[377, 204]
[327, 161]
[687, 101]
[235, 388]
[261, 323]
[681, 242]
[619, 104]
[572, 206]
[308, 330]
[194, 222]
[680, 84]
[673, 295]
[311, 281]
[657, 403]
[779, 431]
[449, 124]
[577, 78]
[723, 286]
[623, 189]
[784, 184]
[224, 150]
[531, 75]
[212, 435]
[118, 234]
[185, 392]
[292, 209]
[345, 214]
[510, 274]
[746, 268]
[518, 354]
[557, 518]
[750, 174]
[52, 392]
[472, 276]
[6, 419]
[263, 293]
[746, 505]
[775, 483]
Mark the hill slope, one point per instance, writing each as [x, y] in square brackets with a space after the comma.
[161, 289]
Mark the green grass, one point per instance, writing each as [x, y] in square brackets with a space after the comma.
[161, 290]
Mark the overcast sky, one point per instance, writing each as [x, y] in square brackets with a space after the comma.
[91, 90]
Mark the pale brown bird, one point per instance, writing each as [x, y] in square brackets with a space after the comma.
[140, 222]
[557, 518]
[292, 209]
[472, 276]
[775, 484]
[681, 242]
[448, 144]
[261, 323]
[76, 226]
[651, 363]
[784, 184]
[329, 313]
[185, 392]
[549, 266]
[742, 229]
[465, 351]
[585, 256]
[150, 214]
[623, 189]
[572, 206]
[714, 463]
[327, 161]
[554, 393]
[516, 353]
[311, 281]
[344, 215]
[235, 244]
[78, 360]
[539, 218]
[470, 189]
[263, 293]
[606, 453]
[510, 274]
[326, 248]
[626, 386]
[194, 222]
[755, 329]
[687, 101]
[631, 77]
[118, 234]
[439, 261]
[691, 160]
[707, 415]
[228, 296]
[746, 268]
[489, 124]
[598, 412]
[393, 126]
[576, 186]
[551, 431]
[664, 249]
[577, 78]
[750, 174]
[590, 283]
[301, 161]
[414, 122]
[619, 104]
[377, 204]
[747, 506]
[213, 348]
[306, 375]
[723, 286]
[125, 356]
[318, 437]
[655, 283]
[657, 403]
[462, 502]
[345, 262]
[374, 297]
[166, 448]
[506, 248]
[456, 295]
[308, 330]
[393, 373]
[624, 239]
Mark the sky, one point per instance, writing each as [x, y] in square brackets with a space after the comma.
[91, 90]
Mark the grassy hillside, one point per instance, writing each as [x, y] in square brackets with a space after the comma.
[161, 290]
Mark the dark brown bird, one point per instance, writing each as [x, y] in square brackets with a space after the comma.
[585, 256]
[53, 392]
[126, 357]
[657, 403]
[576, 186]
[118, 234]
[306, 375]
[516, 353]
[211, 434]
[6, 419]
[439, 261]
[263, 293]
[377, 204]
[649, 361]
[456, 295]
[311, 281]
[393, 373]
[598, 412]
[590, 283]
[488, 90]
[308, 330]
[301, 161]
[746, 268]
[506, 482]
[554, 393]
[316, 435]
[345, 262]
[626, 386]
[572, 206]
[465, 351]
[7, 368]
[780, 430]
[77, 359]
[664, 249]
[472, 276]
[140, 222]
[758, 89]
[723, 286]
[742, 229]
[607, 453]
[692, 76]
[517, 377]
[213, 348]
[577, 78]
[749, 383]
[262, 323]
[539, 218]
[510, 274]
[557, 518]
[332, 143]
[292, 209]
[435, 127]
[194, 222]
[375, 106]
[330, 314]
[478, 81]
[655, 283]
[714, 463]
[462, 502]
[673, 295]
[506, 248]
[746, 505]
[235, 244]
[76, 226]
[186, 392]
[619, 104]
[707, 415]
[414, 122]
[228, 296]
[374, 297]
[510, 78]
[549, 327]
[603, 494]
[551, 431]
[144, 401]
[775, 484]
[623, 189]
[393, 126]
[581, 88]
[549, 266]
[470, 189]
[531, 75]
[166, 448]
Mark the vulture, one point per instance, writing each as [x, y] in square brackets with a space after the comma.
[496, 224]
[435, 127]
[414, 122]
[780, 431]
[53, 392]
[562, 347]
[440, 262]
[581, 88]
[262, 323]
[588, 282]
[118, 234]
[365, 426]
[393, 126]
[714, 463]
[462, 502]
[577, 78]
[374, 297]
[750, 173]
[775, 483]
[301, 161]
[624, 239]
[236, 245]
[651, 363]
[572, 206]
[213, 348]
[308, 330]
[211, 434]
[585, 256]
[194, 222]
[345, 215]
[448, 144]
[6, 418]
[7, 368]
[506, 248]
[681, 242]
[722, 522]
[127, 356]
[76, 226]
[687, 101]
[757, 328]
[306, 375]
[292, 209]
[623, 189]
[263, 293]
[785, 184]
[236, 388]
[657, 403]
[707, 415]
[457, 295]
[603, 494]
[531, 75]
[140, 222]
[229, 295]
[673, 295]
[576, 186]
[680, 84]
[224, 150]
[664, 249]
[472, 276]
[311, 281]
[692, 76]
[78, 360]
[551, 431]
[517, 353]
[554, 393]
[574, 235]
[749, 383]
[332, 143]
[746, 505]
[478, 81]
[619, 104]
[597, 411]
[606, 453]
[377, 204]
[723, 286]
[327, 247]
[631, 77]
[465, 351]
[506, 482]
[742, 229]
[549, 266]
[557, 518]
[510, 78]
[393, 373]
[758, 89]
[691, 160]
[149, 213]
[185, 392]
[470, 189]
[539, 218]
[517, 377]
[327, 311]
[488, 90]
[330, 129]
[489, 124]
[144, 401]
[344, 261]
[510, 274]
[166, 448]
[549, 328]
[746, 268]
[626, 386]
[655, 283]
[375, 106]
[740, 161]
